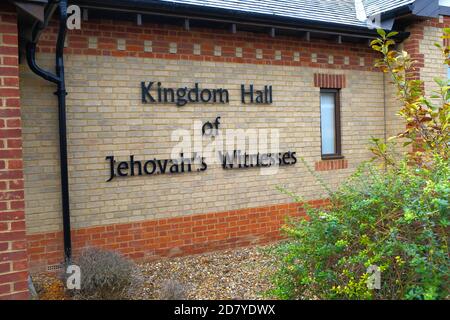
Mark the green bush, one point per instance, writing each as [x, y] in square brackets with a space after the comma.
[395, 218]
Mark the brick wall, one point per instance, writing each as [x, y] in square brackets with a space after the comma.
[421, 46]
[167, 216]
[105, 64]
[172, 237]
[158, 41]
[13, 249]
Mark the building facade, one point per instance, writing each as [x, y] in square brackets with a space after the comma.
[152, 91]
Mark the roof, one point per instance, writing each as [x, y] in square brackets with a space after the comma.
[327, 11]
[373, 7]
[341, 11]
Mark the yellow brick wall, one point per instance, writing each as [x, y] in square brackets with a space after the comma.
[433, 60]
[105, 116]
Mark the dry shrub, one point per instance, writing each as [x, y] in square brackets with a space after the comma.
[172, 290]
[106, 275]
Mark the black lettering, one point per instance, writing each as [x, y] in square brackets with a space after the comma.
[132, 165]
[153, 167]
[208, 94]
[168, 91]
[111, 167]
[227, 160]
[159, 92]
[182, 162]
[174, 168]
[259, 96]
[146, 92]
[294, 158]
[207, 128]
[244, 93]
[162, 164]
[195, 91]
[181, 97]
[204, 165]
[223, 95]
[285, 158]
[122, 166]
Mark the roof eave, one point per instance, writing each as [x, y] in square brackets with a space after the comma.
[235, 15]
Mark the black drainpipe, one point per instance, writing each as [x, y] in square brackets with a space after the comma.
[61, 93]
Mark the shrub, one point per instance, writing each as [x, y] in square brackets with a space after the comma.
[172, 290]
[392, 218]
[106, 275]
[396, 219]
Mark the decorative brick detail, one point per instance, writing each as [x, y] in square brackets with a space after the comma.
[278, 55]
[121, 44]
[332, 81]
[330, 59]
[121, 38]
[259, 54]
[172, 236]
[239, 52]
[362, 62]
[13, 248]
[92, 43]
[148, 46]
[173, 48]
[197, 49]
[327, 165]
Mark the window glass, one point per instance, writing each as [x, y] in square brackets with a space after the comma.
[328, 122]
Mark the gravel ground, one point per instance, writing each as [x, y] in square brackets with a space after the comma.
[232, 274]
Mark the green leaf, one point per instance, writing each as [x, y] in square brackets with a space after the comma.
[392, 34]
[381, 32]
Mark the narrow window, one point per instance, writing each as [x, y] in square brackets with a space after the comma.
[330, 123]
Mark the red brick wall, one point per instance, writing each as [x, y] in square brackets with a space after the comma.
[13, 248]
[173, 236]
[412, 44]
[107, 33]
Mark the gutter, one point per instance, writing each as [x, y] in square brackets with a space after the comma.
[59, 79]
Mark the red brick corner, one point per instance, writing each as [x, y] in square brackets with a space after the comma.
[13, 245]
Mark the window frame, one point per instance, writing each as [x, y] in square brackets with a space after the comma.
[337, 125]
